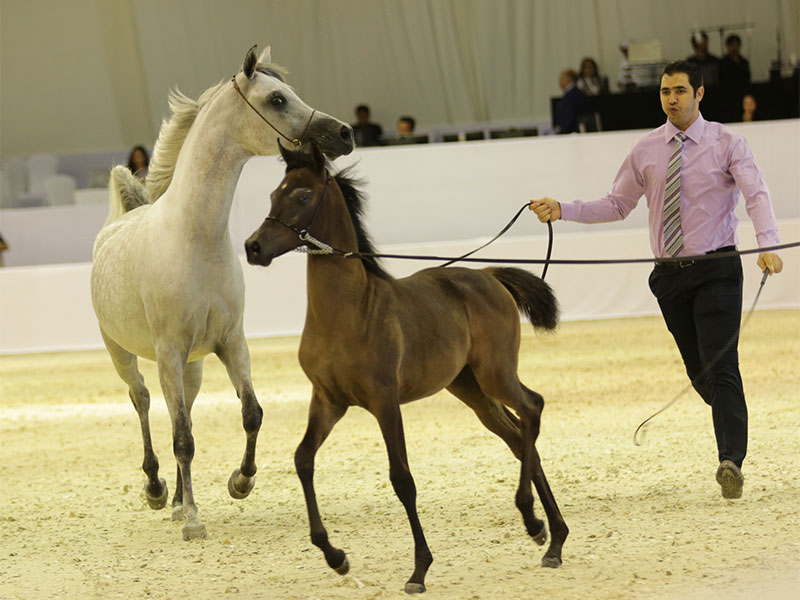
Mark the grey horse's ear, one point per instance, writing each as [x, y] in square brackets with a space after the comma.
[250, 61]
[318, 156]
[265, 57]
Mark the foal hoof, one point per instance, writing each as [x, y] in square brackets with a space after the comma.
[343, 568]
[541, 537]
[153, 501]
[244, 487]
[415, 588]
[194, 531]
[551, 562]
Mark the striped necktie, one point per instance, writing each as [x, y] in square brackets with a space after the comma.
[673, 237]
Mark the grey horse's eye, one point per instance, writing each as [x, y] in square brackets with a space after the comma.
[277, 100]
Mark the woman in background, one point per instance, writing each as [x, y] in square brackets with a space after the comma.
[138, 162]
[589, 80]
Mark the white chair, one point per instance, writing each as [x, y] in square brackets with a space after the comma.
[59, 190]
[15, 181]
[40, 167]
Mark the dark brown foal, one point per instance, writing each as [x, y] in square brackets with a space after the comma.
[377, 342]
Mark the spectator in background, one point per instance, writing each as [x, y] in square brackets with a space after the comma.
[138, 162]
[734, 68]
[708, 63]
[573, 105]
[624, 75]
[589, 81]
[405, 126]
[366, 133]
[3, 248]
[749, 108]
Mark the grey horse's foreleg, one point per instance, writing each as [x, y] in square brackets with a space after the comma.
[236, 358]
[126, 365]
[171, 366]
[192, 378]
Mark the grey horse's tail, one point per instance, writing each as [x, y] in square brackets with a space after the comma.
[125, 193]
[533, 296]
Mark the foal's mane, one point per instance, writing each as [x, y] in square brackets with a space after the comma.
[353, 199]
[175, 129]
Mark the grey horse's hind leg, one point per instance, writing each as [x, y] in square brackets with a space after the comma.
[236, 358]
[192, 378]
[126, 364]
[171, 367]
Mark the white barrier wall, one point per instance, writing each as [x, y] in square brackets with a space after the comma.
[438, 199]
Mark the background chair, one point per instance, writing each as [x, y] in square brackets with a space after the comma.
[59, 190]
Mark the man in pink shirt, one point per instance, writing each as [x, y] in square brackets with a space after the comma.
[691, 172]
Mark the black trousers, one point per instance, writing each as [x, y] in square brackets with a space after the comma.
[702, 307]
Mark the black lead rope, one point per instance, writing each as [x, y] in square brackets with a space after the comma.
[638, 435]
[502, 232]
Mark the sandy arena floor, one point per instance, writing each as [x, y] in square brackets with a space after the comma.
[646, 522]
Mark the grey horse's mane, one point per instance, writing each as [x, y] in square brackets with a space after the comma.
[175, 129]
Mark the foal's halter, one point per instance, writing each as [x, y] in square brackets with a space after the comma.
[296, 142]
[322, 247]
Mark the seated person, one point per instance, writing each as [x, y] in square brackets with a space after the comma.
[589, 81]
[405, 126]
[365, 132]
[573, 105]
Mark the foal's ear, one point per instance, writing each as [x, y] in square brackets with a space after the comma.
[250, 61]
[265, 57]
[318, 157]
[286, 154]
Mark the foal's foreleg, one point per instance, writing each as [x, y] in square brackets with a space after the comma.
[171, 365]
[126, 365]
[322, 416]
[391, 424]
[236, 358]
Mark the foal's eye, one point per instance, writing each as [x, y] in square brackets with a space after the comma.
[277, 100]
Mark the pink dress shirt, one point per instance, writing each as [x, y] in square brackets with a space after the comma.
[717, 164]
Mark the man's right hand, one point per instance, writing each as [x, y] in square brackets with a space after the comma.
[546, 209]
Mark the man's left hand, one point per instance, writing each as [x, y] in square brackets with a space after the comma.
[771, 261]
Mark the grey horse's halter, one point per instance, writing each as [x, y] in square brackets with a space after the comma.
[296, 142]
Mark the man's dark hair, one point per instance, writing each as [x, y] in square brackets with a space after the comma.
[409, 120]
[363, 107]
[732, 38]
[691, 69]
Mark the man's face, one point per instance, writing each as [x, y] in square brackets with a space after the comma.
[679, 101]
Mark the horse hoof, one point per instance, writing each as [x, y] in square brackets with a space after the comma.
[177, 512]
[414, 588]
[551, 562]
[541, 537]
[237, 492]
[194, 531]
[343, 568]
[156, 502]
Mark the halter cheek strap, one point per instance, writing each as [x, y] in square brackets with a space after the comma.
[296, 142]
[304, 235]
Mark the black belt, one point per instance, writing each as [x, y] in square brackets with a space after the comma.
[680, 264]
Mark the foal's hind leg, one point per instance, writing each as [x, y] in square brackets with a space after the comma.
[501, 422]
[322, 416]
[126, 364]
[192, 378]
[236, 358]
[558, 527]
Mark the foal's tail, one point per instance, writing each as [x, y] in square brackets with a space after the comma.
[125, 193]
[533, 296]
